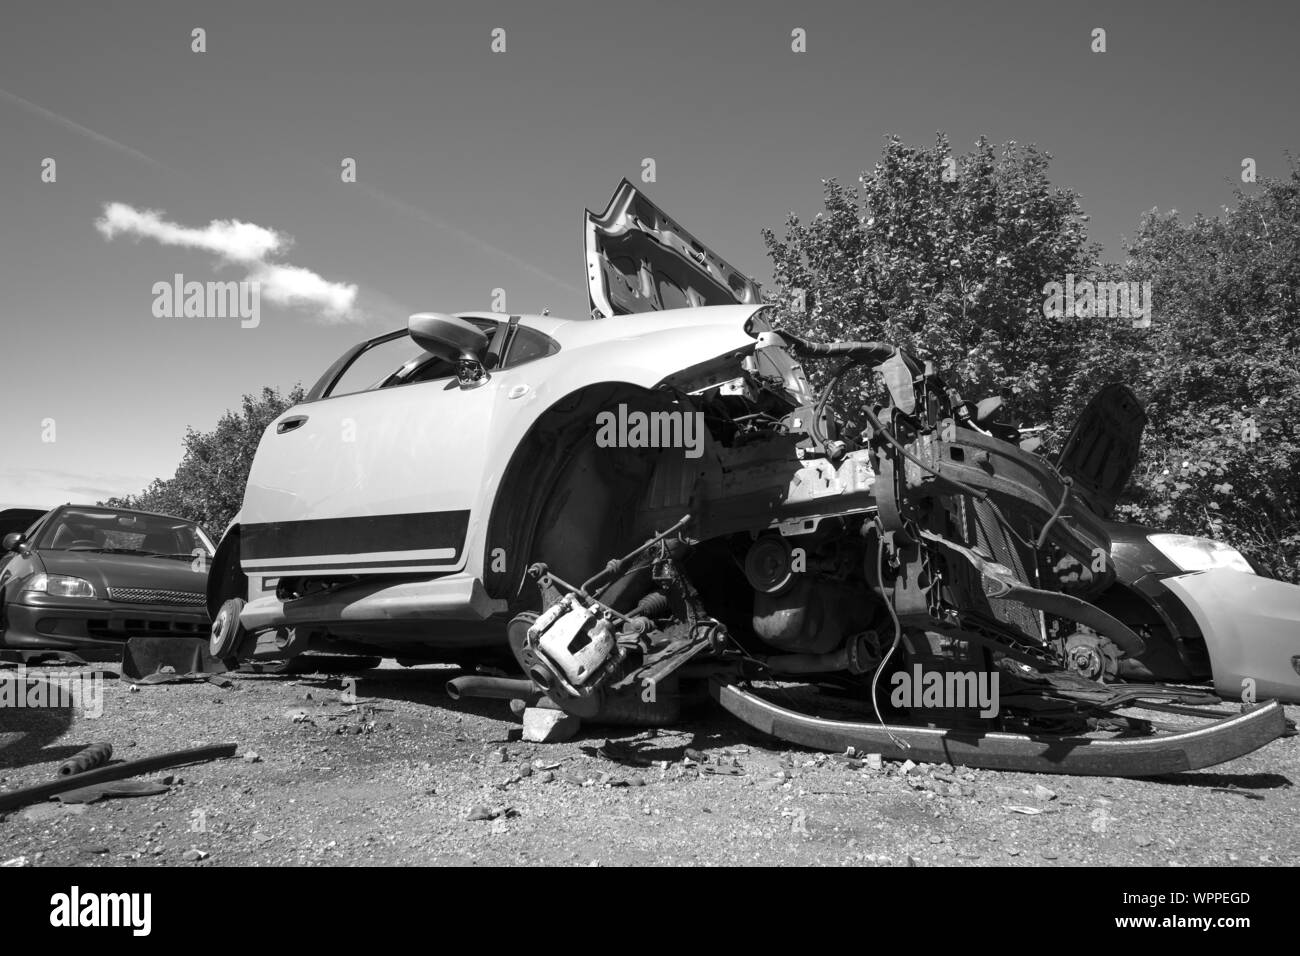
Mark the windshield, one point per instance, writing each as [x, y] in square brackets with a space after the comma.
[123, 532]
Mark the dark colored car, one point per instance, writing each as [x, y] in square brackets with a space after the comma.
[81, 580]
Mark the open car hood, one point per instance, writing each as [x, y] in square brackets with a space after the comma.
[1102, 448]
[18, 519]
[639, 260]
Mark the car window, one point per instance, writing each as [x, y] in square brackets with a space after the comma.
[36, 526]
[398, 361]
[527, 345]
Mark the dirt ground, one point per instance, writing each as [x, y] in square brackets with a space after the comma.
[407, 776]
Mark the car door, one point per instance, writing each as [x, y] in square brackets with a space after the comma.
[379, 480]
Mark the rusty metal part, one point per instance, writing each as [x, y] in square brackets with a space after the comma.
[1000, 583]
[43, 791]
[1092, 655]
[617, 566]
[768, 565]
[88, 759]
[1194, 749]
[860, 653]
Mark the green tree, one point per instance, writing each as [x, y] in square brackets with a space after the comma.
[947, 255]
[1219, 369]
[955, 267]
[208, 486]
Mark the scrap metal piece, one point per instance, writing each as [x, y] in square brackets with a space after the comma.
[113, 788]
[145, 657]
[43, 791]
[1194, 749]
[1000, 583]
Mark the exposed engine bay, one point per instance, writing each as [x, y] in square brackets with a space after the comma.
[928, 576]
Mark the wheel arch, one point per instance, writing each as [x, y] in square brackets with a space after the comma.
[226, 579]
[531, 497]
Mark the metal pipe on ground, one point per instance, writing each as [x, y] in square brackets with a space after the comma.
[495, 688]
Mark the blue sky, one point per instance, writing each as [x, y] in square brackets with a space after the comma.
[473, 168]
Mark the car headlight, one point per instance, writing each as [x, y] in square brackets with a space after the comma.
[1191, 553]
[60, 585]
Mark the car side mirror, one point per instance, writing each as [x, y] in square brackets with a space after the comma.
[14, 541]
[454, 340]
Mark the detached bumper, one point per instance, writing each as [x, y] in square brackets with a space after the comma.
[88, 626]
[1251, 627]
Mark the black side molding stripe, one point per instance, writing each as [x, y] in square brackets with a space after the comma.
[338, 537]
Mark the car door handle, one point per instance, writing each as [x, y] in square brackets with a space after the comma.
[289, 424]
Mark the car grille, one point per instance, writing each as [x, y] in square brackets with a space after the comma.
[157, 596]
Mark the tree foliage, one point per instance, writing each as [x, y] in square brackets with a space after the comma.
[1220, 371]
[956, 267]
[946, 255]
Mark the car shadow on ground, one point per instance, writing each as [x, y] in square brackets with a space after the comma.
[28, 734]
[709, 727]
[423, 686]
[1240, 783]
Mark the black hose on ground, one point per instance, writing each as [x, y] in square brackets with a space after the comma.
[132, 768]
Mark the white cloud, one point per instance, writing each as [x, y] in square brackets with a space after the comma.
[229, 238]
[292, 286]
[239, 243]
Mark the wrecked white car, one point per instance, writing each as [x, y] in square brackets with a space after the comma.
[651, 501]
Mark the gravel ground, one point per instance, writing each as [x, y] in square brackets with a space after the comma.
[407, 776]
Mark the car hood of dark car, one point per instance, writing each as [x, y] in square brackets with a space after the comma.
[18, 519]
[106, 570]
[1103, 446]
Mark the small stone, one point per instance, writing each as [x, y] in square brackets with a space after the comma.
[1043, 794]
[546, 776]
[193, 856]
[481, 813]
[907, 767]
[1144, 839]
[252, 757]
[545, 726]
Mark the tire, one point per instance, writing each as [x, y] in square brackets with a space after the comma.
[227, 633]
